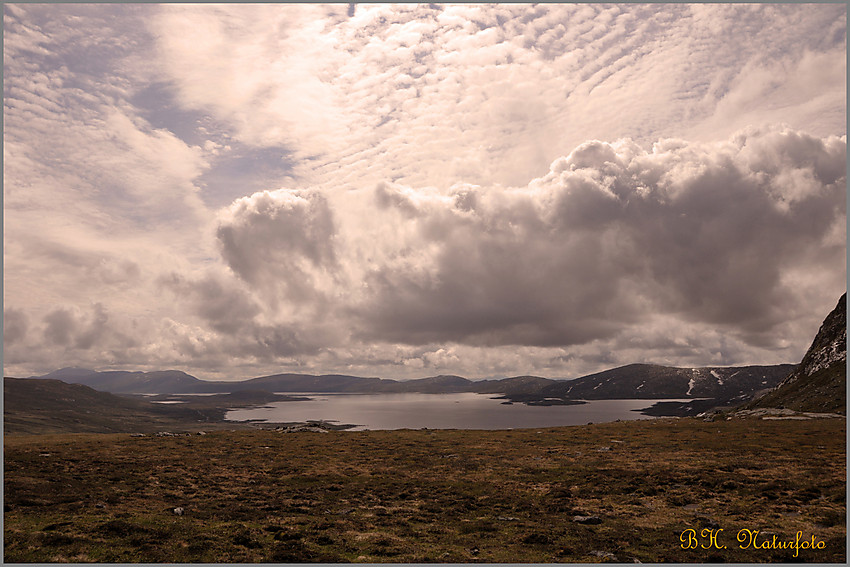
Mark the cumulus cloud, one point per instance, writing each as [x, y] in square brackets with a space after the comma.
[612, 235]
[232, 319]
[281, 242]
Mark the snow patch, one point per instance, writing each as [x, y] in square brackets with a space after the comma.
[836, 351]
[718, 376]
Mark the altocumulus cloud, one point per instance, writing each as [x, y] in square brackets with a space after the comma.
[730, 235]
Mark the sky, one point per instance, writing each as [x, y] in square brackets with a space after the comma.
[411, 190]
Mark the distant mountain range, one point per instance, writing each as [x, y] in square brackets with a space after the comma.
[88, 403]
[817, 383]
[634, 381]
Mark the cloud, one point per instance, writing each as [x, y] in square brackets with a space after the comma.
[280, 242]
[703, 232]
[433, 95]
[611, 236]
[219, 302]
[69, 327]
[15, 326]
[273, 90]
[412, 188]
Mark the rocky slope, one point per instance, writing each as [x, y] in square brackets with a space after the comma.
[819, 382]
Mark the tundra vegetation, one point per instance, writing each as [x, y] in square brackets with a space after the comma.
[605, 492]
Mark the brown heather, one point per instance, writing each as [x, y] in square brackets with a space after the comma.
[430, 496]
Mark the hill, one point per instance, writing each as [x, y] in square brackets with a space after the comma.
[819, 382]
[651, 381]
[529, 385]
[308, 383]
[721, 385]
[126, 382]
[52, 406]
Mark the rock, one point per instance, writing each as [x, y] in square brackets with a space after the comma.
[536, 539]
[178, 511]
[300, 428]
[604, 555]
[707, 523]
[587, 520]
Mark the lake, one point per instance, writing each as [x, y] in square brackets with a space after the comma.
[438, 411]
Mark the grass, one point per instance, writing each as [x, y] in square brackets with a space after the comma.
[429, 495]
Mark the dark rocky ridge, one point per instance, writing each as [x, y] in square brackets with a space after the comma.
[819, 382]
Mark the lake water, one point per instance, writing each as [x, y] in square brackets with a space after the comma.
[438, 411]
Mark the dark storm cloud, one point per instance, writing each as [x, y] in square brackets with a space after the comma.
[611, 234]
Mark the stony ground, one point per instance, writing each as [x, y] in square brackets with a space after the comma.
[608, 492]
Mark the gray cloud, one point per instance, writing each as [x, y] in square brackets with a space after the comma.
[69, 328]
[242, 326]
[612, 233]
[98, 266]
[711, 234]
[280, 242]
[60, 326]
[217, 301]
[708, 233]
[15, 326]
